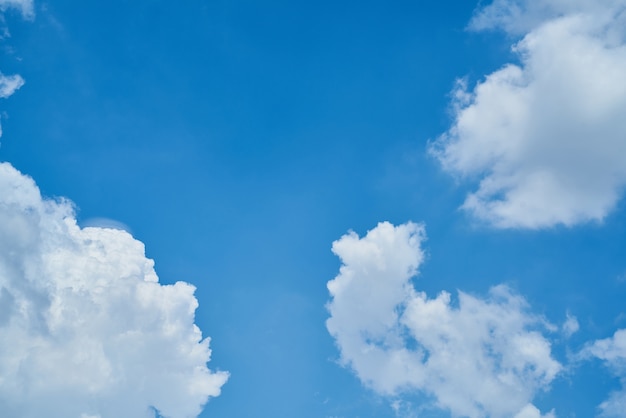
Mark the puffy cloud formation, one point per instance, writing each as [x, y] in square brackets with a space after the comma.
[476, 357]
[545, 138]
[531, 411]
[613, 352]
[85, 326]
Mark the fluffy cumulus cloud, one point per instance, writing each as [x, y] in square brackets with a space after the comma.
[476, 357]
[86, 328]
[545, 139]
[613, 352]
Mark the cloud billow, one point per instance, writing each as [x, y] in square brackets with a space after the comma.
[545, 138]
[87, 329]
[485, 357]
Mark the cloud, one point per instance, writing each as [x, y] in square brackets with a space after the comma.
[24, 6]
[544, 138]
[531, 411]
[100, 222]
[475, 356]
[87, 329]
[570, 326]
[613, 352]
[9, 84]
[518, 17]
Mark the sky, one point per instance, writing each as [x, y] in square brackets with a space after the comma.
[313, 209]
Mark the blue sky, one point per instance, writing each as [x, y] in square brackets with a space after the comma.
[239, 140]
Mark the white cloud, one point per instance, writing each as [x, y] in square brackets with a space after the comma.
[477, 357]
[545, 137]
[613, 352]
[531, 411]
[518, 17]
[100, 222]
[24, 6]
[570, 326]
[86, 328]
[9, 84]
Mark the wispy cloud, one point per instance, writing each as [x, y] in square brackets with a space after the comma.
[570, 326]
[613, 352]
[544, 137]
[480, 357]
[25, 7]
[9, 84]
[91, 331]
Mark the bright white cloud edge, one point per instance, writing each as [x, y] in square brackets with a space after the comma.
[544, 138]
[476, 356]
[88, 331]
